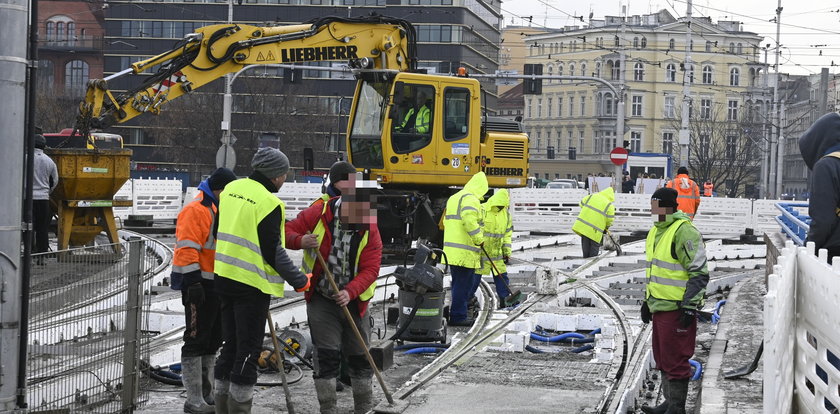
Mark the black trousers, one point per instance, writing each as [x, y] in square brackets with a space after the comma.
[590, 248]
[41, 216]
[243, 313]
[203, 332]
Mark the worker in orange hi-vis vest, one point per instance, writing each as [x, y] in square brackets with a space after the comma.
[688, 191]
[708, 188]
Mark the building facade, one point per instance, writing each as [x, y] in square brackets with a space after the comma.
[451, 33]
[577, 120]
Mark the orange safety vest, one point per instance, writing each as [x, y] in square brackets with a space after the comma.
[195, 245]
[707, 189]
[688, 194]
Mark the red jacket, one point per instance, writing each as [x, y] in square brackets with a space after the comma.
[368, 264]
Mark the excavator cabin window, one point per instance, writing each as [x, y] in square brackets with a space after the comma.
[412, 127]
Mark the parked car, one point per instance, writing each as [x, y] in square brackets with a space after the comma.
[563, 183]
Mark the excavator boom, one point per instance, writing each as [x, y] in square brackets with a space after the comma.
[374, 42]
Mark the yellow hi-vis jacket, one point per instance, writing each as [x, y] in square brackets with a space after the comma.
[666, 277]
[498, 230]
[462, 220]
[238, 255]
[310, 256]
[597, 213]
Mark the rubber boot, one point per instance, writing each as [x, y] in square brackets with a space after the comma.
[208, 365]
[677, 394]
[362, 395]
[241, 399]
[221, 395]
[661, 408]
[191, 377]
[325, 389]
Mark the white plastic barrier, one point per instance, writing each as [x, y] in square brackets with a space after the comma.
[546, 210]
[160, 198]
[720, 215]
[802, 333]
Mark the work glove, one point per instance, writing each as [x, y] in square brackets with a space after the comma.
[305, 287]
[506, 259]
[687, 317]
[646, 315]
[195, 294]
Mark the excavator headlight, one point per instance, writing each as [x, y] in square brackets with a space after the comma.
[366, 63]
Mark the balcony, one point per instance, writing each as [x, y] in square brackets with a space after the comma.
[74, 44]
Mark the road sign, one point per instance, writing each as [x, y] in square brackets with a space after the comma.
[503, 79]
[618, 156]
[226, 157]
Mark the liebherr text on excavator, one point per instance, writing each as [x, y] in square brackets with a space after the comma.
[416, 161]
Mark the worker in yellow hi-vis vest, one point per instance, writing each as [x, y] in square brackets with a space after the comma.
[252, 266]
[597, 213]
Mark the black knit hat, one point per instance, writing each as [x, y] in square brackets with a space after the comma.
[220, 178]
[682, 170]
[40, 141]
[340, 171]
[667, 197]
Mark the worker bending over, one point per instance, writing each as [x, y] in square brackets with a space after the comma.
[498, 231]
[597, 213]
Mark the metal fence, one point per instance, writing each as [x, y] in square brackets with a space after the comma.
[88, 324]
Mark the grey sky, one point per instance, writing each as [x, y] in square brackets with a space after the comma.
[808, 27]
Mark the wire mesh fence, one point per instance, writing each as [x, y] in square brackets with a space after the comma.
[87, 327]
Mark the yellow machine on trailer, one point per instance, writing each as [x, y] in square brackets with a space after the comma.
[416, 163]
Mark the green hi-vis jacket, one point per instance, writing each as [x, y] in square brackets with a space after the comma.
[498, 230]
[676, 273]
[597, 213]
[462, 223]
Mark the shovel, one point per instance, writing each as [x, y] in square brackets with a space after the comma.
[514, 298]
[281, 365]
[746, 369]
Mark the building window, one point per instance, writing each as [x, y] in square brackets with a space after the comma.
[571, 69]
[608, 104]
[560, 107]
[638, 72]
[670, 107]
[60, 34]
[707, 75]
[635, 141]
[50, 31]
[731, 147]
[528, 110]
[671, 73]
[580, 141]
[734, 77]
[597, 69]
[548, 111]
[740, 49]
[691, 74]
[571, 106]
[732, 48]
[616, 70]
[570, 141]
[644, 42]
[636, 105]
[671, 44]
[76, 73]
[705, 141]
[560, 69]
[732, 113]
[708, 46]
[582, 106]
[539, 108]
[668, 142]
[550, 73]
[636, 42]
[583, 69]
[616, 42]
[705, 108]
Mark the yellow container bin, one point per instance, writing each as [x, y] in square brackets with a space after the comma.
[88, 180]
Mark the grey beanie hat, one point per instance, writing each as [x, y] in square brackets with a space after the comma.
[40, 141]
[270, 162]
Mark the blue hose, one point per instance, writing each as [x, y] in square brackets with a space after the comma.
[597, 331]
[557, 338]
[424, 350]
[582, 348]
[581, 341]
[420, 345]
[530, 348]
[716, 313]
[698, 369]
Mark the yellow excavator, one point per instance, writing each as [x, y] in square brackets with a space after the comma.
[419, 135]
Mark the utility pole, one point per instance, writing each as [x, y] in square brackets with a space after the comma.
[226, 156]
[14, 63]
[685, 134]
[765, 142]
[776, 150]
[620, 111]
[780, 164]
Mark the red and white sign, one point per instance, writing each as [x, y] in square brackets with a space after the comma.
[619, 155]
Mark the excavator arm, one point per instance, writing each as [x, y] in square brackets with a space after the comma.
[373, 42]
